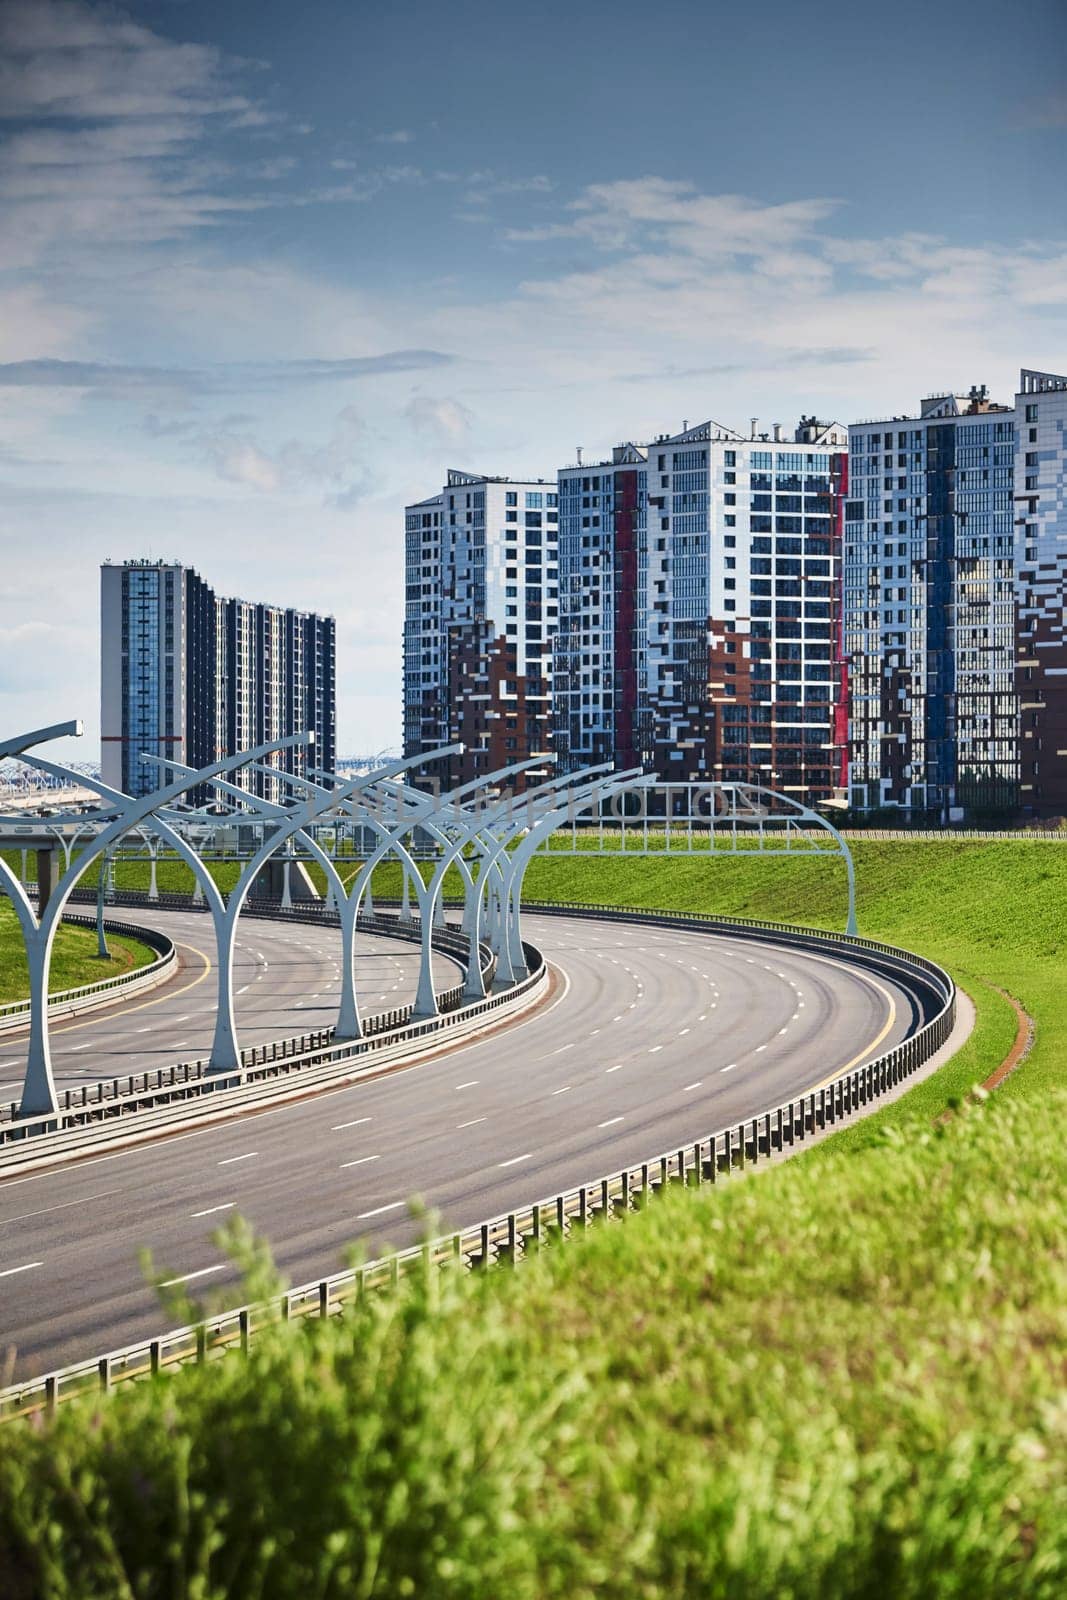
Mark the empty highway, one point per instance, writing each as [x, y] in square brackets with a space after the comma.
[651, 1038]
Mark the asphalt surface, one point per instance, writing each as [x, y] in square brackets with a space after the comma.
[286, 981]
[652, 1038]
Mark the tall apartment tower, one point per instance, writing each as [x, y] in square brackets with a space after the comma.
[158, 668]
[1040, 556]
[189, 674]
[699, 614]
[482, 595]
[600, 648]
[929, 598]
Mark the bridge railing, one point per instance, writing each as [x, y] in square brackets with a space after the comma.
[511, 1235]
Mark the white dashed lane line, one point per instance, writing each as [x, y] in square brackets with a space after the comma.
[361, 1161]
[471, 1123]
[9, 1272]
[514, 1161]
[211, 1210]
[228, 1161]
[189, 1276]
[356, 1124]
[379, 1211]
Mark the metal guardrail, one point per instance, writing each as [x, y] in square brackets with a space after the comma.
[139, 1092]
[514, 1234]
[70, 1001]
[959, 835]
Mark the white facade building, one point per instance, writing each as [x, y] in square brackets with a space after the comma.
[481, 608]
[699, 622]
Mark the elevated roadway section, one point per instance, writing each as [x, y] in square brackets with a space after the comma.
[286, 981]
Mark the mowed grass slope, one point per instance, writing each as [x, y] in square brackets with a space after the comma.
[74, 957]
[843, 1377]
[833, 1379]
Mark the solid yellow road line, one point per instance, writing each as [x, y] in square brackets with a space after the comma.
[74, 1027]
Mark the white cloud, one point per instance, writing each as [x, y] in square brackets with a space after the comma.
[444, 421]
[399, 136]
[339, 468]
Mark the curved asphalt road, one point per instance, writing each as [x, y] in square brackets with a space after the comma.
[286, 981]
[652, 1038]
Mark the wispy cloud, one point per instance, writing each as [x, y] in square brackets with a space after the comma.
[340, 467]
[116, 377]
[116, 118]
[398, 136]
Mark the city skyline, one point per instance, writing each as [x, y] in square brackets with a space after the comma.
[252, 305]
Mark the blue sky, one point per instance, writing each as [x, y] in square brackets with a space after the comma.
[267, 269]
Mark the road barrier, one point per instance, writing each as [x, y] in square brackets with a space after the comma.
[511, 1235]
[88, 996]
[24, 1139]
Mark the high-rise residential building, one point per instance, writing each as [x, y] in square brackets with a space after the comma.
[700, 629]
[1040, 558]
[600, 647]
[480, 614]
[189, 674]
[157, 671]
[929, 600]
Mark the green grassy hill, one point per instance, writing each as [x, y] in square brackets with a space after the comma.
[74, 957]
[840, 1377]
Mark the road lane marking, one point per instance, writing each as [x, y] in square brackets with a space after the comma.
[514, 1160]
[229, 1160]
[615, 1068]
[654, 1048]
[80, 1047]
[163, 999]
[379, 1210]
[64, 1205]
[285, 1109]
[610, 1123]
[730, 1068]
[471, 1123]
[691, 1086]
[361, 1161]
[682, 1032]
[244, 990]
[565, 1090]
[473, 1084]
[359, 1121]
[9, 1272]
[760, 1047]
[188, 1277]
[211, 1210]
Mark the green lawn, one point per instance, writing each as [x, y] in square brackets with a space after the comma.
[74, 957]
[842, 1377]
